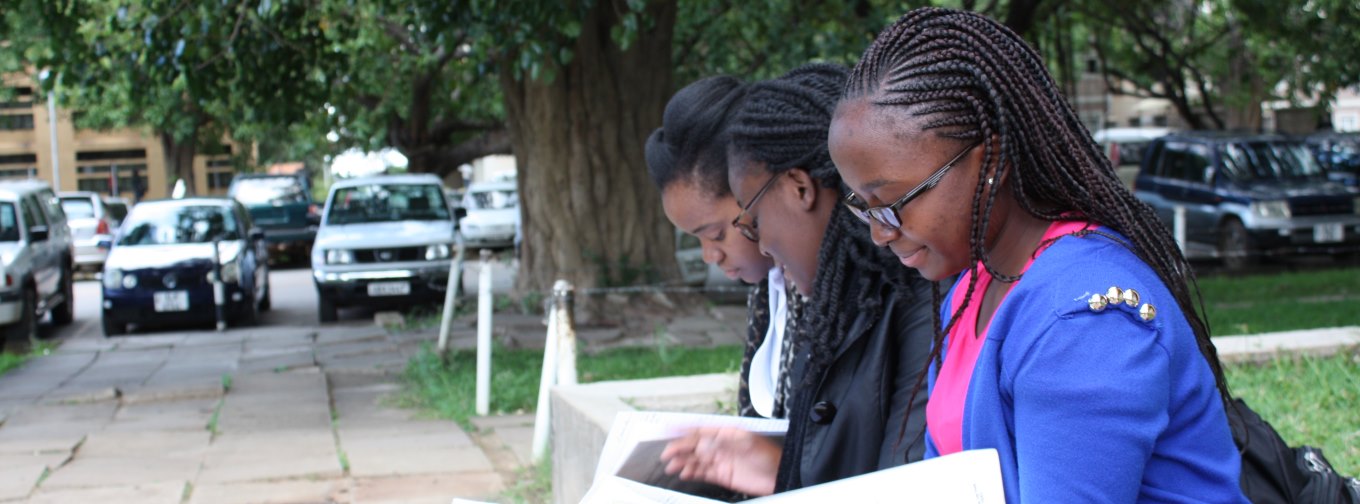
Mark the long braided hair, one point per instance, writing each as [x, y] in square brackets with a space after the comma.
[971, 79]
[783, 124]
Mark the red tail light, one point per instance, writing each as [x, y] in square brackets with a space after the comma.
[102, 228]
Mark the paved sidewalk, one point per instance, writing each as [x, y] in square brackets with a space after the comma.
[263, 415]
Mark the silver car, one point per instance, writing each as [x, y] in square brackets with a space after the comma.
[93, 223]
[35, 262]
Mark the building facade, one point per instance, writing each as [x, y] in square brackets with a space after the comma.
[127, 162]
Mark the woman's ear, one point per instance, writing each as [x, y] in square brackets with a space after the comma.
[803, 186]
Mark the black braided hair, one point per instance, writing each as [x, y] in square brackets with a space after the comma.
[783, 125]
[971, 79]
[692, 140]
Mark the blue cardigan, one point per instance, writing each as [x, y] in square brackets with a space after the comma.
[1097, 406]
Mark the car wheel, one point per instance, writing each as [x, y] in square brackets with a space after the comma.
[23, 334]
[1234, 246]
[326, 309]
[65, 313]
[112, 328]
[267, 303]
[250, 312]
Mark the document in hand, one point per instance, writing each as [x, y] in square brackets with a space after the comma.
[631, 459]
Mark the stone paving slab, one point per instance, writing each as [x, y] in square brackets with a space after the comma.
[426, 488]
[516, 432]
[150, 341]
[42, 375]
[393, 451]
[271, 492]
[277, 401]
[296, 358]
[53, 428]
[115, 471]
[279, 337]
[162, 444]
[389, 361]
[20, 473]
[164, 416]
[271, 455]
[1263, 347]
[157, 493]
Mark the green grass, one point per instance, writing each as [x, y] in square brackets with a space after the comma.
[533, 485]
[450, 391]
[1309, 400]
[1281, 302]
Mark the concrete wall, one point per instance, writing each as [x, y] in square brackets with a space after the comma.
[583, 414]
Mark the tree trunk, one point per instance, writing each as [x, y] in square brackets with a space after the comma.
[590, 214]
[179, 161]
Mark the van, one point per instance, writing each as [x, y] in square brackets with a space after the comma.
[1125, 147]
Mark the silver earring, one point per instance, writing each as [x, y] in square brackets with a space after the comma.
[989, 180]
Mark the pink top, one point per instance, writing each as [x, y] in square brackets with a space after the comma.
[944, 411]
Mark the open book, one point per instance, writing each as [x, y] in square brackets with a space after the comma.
[630, 470]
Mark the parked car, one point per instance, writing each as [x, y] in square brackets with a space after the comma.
[118, 209]
[492, 214]
[1125, 146]
[92, 222]
[1339, 154]
[161, 270]
[36, 262]
[1248, 195]
[384, 240]
[282, 206]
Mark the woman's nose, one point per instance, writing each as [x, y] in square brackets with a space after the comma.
[882, 234]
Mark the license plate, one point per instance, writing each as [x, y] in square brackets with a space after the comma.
[377, 289]
[171, 301]
[1329, 233]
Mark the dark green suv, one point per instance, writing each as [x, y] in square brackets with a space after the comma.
[281, 205]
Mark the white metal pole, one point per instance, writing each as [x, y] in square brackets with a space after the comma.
[566, 333]
[546, 379]
[1178, 225]
[451, 298]
[52, 129]
[484, 303]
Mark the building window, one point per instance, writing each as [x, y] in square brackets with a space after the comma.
[1348, 122]
[97, 185]
[219, 180]
[18, 159]
[16, 122]
[111, 155]
[22, 99]
[25, 172]
[1159, 120]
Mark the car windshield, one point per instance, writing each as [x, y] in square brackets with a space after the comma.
[152, 224]
[78, 207]
[1269, 161]
[492, 199]
[9, 223]
[387, 202]
[118, 210]
[268, 190]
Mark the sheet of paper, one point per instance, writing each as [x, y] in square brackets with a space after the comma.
[970, 477]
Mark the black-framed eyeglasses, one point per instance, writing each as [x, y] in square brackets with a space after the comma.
[749, 230]
[888, 215]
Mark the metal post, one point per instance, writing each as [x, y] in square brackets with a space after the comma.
[563, 294]
[451, 299]
[1178, 227]
[546, 379]
[219, 287]
[52, 129]
[484, 303]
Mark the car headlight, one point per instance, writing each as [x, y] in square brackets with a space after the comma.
[339, 257]
[1271, 209]
[231, 272]
[113, 278]
[436, 252]
[129, 282]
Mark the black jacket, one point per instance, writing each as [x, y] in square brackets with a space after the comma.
[846, 417]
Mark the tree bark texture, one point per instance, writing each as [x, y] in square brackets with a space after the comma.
[179, 160]
[589, 211]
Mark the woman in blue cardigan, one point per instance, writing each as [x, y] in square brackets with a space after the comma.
[1070, 343]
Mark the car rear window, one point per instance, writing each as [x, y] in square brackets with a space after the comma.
[268, 190]
[492, 200]
[78, 207]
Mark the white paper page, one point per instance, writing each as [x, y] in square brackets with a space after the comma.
[969, 477]
[633, 427]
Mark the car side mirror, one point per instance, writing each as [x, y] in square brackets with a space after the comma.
[459, 213]
[37, 233]
[256, 234]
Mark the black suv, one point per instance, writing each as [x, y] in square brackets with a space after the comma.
[281, 205]
[1246, 196]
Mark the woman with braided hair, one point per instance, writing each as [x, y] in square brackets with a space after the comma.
[687, 159]
[1071, 343]
[868, 322]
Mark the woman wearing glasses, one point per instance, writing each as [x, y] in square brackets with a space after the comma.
[687, 159]
[868, 322]
[1070, 344]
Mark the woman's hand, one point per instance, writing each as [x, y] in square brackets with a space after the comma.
[730, 457]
